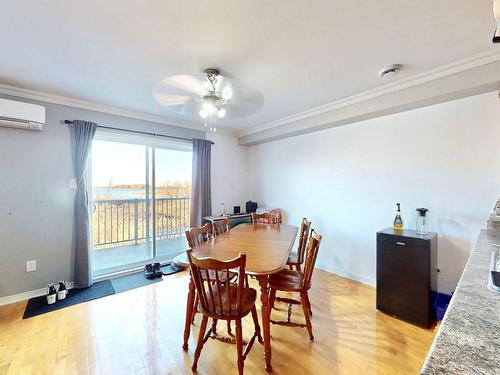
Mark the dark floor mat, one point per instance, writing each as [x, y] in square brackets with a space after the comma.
[38, 305]
[171, 268]
[136, 280]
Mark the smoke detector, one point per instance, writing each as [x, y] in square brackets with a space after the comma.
[390, 71]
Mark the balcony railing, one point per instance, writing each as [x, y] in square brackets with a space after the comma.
[130, 221]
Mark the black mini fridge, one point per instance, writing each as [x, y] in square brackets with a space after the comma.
[406, 275]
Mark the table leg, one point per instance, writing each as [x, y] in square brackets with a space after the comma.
[264, 298]
[189, 313]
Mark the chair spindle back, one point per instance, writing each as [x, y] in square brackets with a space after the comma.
[311, 255]
[218, 298]
[196, 236]
[305, 228]
[221, 226]
[266, 218]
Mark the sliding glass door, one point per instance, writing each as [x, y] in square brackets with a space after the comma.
[172, 197]
[141, 194]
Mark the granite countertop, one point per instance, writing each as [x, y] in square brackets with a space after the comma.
[468, 340]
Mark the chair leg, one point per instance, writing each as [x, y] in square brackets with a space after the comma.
[256, 324]
[239, 346]
[272, 298]
[298, 267]
[229, 328]
[309, 304]
[195, 308]
[305, 306]
[199, 346]
[214, 326]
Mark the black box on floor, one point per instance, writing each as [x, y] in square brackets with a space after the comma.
[406, 275]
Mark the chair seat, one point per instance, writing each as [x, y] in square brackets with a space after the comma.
[293, 259]
[287, 280]
[248, 299]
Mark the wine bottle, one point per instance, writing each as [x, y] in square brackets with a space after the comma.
[398, 221]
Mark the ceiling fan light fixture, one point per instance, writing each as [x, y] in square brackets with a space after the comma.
[221, 113]
[209, 106]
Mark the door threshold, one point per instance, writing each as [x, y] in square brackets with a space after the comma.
[130, 271]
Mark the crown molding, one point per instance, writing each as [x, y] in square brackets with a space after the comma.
[430, 75]
[91, 106]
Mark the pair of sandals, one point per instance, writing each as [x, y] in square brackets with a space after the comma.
[152, 270]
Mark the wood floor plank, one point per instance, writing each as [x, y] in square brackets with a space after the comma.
[140, 332]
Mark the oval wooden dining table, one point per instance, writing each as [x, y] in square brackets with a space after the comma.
[266, 246]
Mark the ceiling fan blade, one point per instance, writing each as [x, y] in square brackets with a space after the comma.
[225, 89]
[185, 82]
[170, 100]
[173, 103]
[242, 101]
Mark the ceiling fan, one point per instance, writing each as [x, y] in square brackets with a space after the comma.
[211, 97]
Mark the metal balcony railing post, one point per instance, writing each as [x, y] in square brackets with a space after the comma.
[136, 221]
[171, 220]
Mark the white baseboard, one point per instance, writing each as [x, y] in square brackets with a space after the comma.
[40, 292]
[361, 278]
[27, 295]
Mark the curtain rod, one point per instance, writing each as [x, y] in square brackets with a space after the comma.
[138, 132]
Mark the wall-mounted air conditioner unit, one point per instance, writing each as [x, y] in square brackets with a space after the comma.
[21, 115]
[496, 12]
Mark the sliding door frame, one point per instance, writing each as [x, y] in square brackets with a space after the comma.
[150, 200]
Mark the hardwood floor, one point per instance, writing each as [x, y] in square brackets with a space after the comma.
[140, 332]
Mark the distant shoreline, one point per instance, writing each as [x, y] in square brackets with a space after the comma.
[99, 193]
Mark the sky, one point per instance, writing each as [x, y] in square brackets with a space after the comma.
[124, 163]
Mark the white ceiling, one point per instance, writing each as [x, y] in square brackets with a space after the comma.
[298, 54]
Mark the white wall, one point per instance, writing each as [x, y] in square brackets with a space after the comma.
[348, 179]
[36, 220]
[229, 173]
[36, 202]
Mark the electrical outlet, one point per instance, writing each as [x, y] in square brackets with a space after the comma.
[72, 183]
[30, 265]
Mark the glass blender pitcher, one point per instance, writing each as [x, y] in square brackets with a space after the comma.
[422, 221]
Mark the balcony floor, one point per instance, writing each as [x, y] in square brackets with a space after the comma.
[113, 257]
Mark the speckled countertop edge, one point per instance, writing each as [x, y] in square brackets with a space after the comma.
[468, 340]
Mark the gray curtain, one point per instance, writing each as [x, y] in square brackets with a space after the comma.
[83, 133]
[201, 202]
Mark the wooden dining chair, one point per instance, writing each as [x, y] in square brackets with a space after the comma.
[223, 301]
[299, 282]
[266, 218]
[296, 259]
[195, 237]
[221, 226]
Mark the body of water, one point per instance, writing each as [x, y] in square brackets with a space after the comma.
[119, 193]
